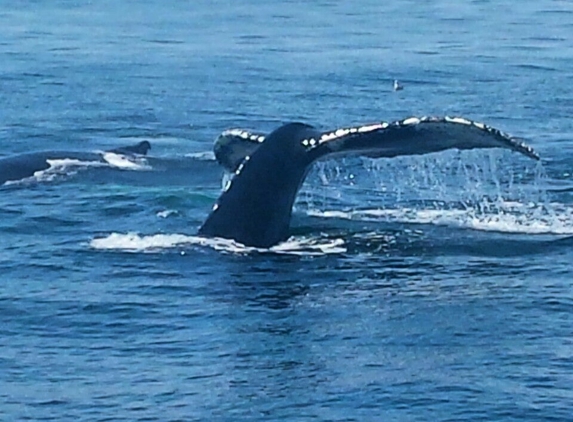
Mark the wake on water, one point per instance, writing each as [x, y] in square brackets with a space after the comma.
[483, 191]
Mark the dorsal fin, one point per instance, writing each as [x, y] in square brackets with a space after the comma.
[140, 148]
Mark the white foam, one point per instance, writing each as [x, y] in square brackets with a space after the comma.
[133, 242]
[202, 156]
[507, 217]
[310, 247]
[63, 166]
[58, 167]
[167, 213]
[125, 162]
[71, 162]
[69, 166]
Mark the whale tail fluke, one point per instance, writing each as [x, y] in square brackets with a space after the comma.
[233, 145]
[411, 136]
[415, 136]
[256, 205]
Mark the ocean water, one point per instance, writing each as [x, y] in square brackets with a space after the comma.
[413, 289]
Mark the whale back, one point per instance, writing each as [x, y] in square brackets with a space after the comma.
[17, 167]
[21, 166]
[256, 206]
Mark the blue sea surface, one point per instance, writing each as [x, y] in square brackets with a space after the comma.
[421, 288]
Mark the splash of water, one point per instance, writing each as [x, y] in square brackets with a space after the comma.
[134, 242]
[124, 162]
[489, 192]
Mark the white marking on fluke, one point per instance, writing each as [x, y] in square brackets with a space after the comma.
[341, 133]
[243, 134]
[459, 120]
[411, 121]
[370, 128]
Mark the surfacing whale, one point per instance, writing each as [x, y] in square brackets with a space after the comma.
[22, 166]
[255, 207]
